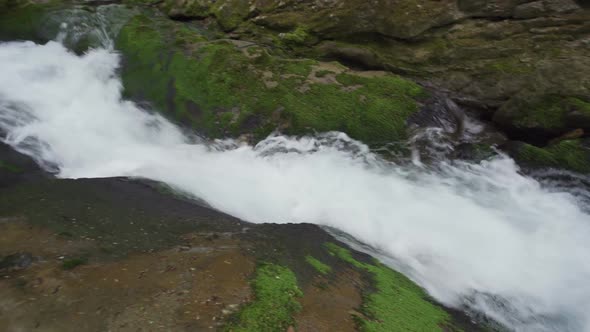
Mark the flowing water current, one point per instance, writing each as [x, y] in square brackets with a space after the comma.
[476, 236]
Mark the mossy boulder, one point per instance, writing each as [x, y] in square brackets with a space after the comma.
[486, 52]
[573, 155]
[541, 118]
[229, 88]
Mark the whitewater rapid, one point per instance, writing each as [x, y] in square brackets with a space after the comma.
[480, 236]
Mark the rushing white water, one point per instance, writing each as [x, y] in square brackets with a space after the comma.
[476, 235]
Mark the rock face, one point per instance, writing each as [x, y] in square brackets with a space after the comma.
[229, 87]
[491, 51]
[523, 64]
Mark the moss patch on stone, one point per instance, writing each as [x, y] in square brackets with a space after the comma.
[508, 66]
[318, 265]
[296, 37]
[578, 105]
[548, 113]
[397, 304]
[568, 154]
[276, 292]
[231, 13]
[223, 89]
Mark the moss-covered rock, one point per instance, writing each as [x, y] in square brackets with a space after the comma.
[568, 154]
[537, 49]
[228, 88]
[229, 13]
[544, 117]
[20, 20]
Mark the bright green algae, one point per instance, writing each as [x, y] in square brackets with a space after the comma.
[318, 265]
[397, 304]
[276, 292]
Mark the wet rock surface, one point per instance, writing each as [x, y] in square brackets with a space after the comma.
[121, 254]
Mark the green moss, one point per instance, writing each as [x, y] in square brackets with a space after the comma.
[71, 263]
[21, 23]
[294, 67]
[230, 13]
[397, 304]
[436, 47]
[323, 73]
[142, 43]
[318, 265]
[509, 66]
[276, 293]
[195, 84]
[549, 112]
[186, 37]
[296, 37]
[568, 154]
[578, 105]
[534, 155]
